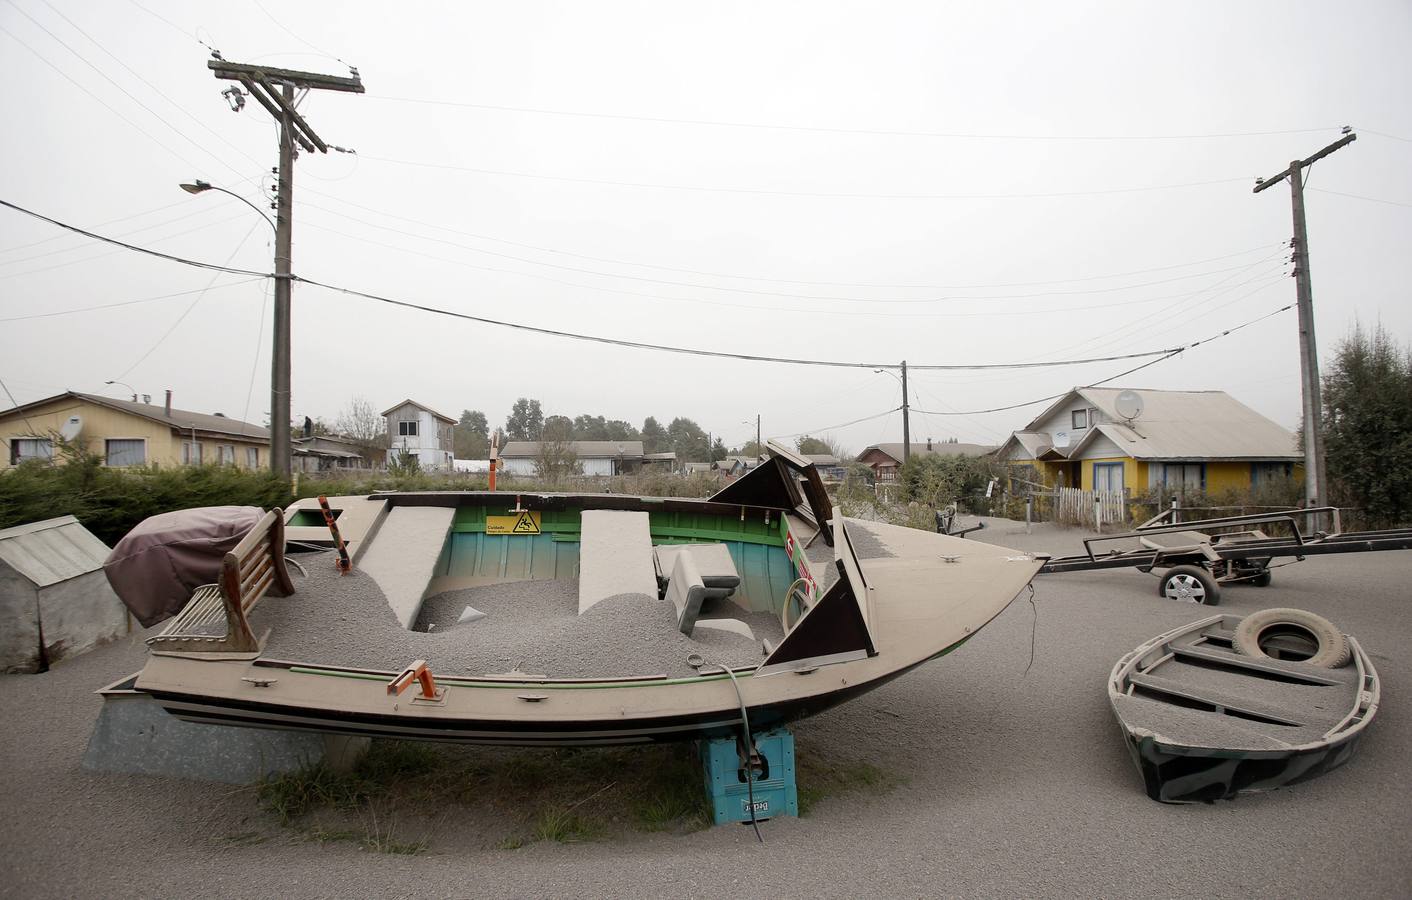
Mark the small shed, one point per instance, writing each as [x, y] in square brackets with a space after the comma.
[54, 598]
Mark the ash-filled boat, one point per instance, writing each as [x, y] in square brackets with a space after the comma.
[1227, 705]
[541, 619]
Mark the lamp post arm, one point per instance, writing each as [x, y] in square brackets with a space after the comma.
[268, 220]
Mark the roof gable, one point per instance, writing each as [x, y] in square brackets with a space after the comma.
[422, 406]
[179, 420]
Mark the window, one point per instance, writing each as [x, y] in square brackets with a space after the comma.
[1108, 476]
[190, 453]
[407, 429]
[1079, 418]
[252, 457]
[1263, 473]
[226, 454]
[1184, 477]
[125, 451]
[22, 449]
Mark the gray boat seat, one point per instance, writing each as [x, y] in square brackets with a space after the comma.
[686, 591]
[713, 564]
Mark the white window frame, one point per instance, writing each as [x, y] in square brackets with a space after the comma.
[252, 457]
[107, 453]
[187, 454]
[16, 459]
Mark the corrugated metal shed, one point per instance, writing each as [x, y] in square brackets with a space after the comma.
[52, 551]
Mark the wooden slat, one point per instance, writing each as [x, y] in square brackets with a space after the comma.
[260, 552]
[257, 591]
[255, 535]
[256, 572]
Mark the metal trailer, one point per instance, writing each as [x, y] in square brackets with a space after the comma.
[1195, 571]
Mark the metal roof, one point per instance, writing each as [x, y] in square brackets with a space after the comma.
[937, 447]
[52, 551]
[1190, 425]
[581, 449]
[422, 406]
[180, 419]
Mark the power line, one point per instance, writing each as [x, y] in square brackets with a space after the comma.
[96, 98]
[1152, 362]
[282, 27]
[201, 211]
[727, 289]
[1359, 197]
[192, 306]
[133, 247]
[70, 312]
[158, 91]
[1386, 135]
[104, 75]
[641, 345]
[827, 428]
[781, 193]
[959, 135]
[760, 278]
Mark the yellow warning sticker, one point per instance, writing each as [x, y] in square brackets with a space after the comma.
[526, 522]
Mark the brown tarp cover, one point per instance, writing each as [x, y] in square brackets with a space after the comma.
[157, 566]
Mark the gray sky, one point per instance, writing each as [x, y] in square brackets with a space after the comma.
[968, 183]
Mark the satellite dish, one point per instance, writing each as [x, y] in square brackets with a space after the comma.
[1129, 405]
[71, 428]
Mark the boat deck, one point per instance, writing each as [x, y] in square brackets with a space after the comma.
[530, 626]
[1204, 694]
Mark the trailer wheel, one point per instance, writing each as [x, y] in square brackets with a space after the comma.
[1291, 634]
[1191, 584]
[1261, 580]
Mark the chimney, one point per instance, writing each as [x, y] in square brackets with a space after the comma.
[146, 398]
[168, 410]
[929, 445]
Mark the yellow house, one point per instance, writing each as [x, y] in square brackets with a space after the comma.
[1168, 441]
[126, 433]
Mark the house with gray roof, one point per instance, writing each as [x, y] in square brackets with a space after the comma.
[596, 457]
[886, 459]
[1178, 442]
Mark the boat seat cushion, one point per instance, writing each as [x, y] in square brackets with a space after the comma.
[686, 591]
[713, 564]
[734, 626]
[615, 556]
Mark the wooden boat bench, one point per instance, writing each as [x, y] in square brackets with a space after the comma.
[215, 619]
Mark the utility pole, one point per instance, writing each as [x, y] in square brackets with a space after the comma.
[1315, 476]
[759, 447]
[906, 426]
[260, 82]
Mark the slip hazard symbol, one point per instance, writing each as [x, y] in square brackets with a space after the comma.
[526, 522]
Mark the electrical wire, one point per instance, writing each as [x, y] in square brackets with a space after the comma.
[190, 307]
[858, 131]
[133, 247]
[133, 97]
[710, 274]
[608, 182]
[99, 100]
[828, 428]
[255, 363]
[1360, 197]
[282, 27]
[1152, 362]
[70, 312]
[641, 345]
[106, 253]
[727, 289]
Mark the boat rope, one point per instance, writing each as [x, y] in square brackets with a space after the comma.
[1034, 627]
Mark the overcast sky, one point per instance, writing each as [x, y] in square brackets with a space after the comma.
[941, 183]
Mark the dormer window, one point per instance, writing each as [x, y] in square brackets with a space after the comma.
[1080, 418]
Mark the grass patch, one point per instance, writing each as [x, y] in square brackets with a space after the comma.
[821, 778]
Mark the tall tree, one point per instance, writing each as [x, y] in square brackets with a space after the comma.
[618, 430]
[590, 428]
[654, 437]
[688, 440]
[556, 457]
[1367, 425]
[472, 438]
[557, 428]
[526, 420]
[360, 422]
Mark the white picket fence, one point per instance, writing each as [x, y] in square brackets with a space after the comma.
[1094, 508]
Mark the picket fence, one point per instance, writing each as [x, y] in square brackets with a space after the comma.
[1073, 506]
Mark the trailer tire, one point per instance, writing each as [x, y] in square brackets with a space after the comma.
[1261, 580]
[1331, 649]
[1192, 584]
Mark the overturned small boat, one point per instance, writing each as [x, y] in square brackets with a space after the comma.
[576, 619]
[1227, 705]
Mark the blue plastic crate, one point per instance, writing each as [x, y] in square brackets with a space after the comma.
[775, 790]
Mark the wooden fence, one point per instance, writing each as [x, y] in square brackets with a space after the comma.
[1092, 508]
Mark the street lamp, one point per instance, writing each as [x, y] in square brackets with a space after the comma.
[280, 447]
[200, 187]
[126, 385]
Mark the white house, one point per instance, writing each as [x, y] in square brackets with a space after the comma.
[596, 457]
[420, 431]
